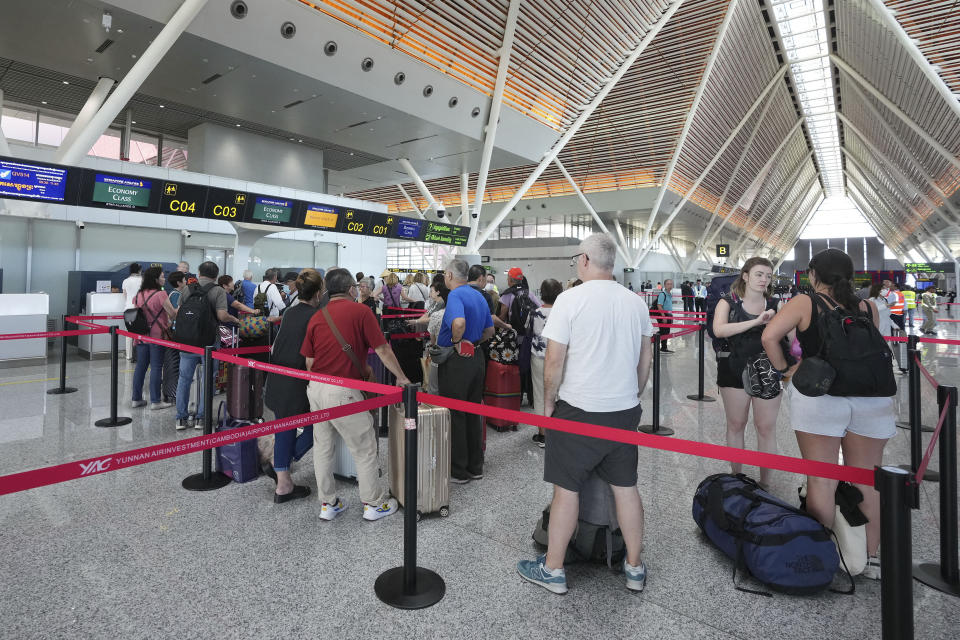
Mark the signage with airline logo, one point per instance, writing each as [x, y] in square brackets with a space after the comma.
[118, 192]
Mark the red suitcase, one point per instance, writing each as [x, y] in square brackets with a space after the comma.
[502, 389]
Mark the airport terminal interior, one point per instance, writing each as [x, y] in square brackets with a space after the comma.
[370, 149]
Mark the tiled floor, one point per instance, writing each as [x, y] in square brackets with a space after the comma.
[130, 554]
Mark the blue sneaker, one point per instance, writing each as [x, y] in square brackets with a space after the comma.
[536, 571]
[636, 576]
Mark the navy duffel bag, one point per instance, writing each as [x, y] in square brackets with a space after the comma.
[786, 549]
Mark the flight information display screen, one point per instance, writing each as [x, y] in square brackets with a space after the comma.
[118, 192]
[30, 181]
[321, 216]
[443, 233]
[409, 229]
[271, 210]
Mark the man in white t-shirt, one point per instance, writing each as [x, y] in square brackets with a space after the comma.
[130, 286]
[596, 366]
[271, 287]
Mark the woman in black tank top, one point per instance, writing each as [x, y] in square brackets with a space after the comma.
[738, 319]
[825, 424]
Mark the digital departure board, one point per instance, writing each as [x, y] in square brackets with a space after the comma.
[118, 192]
[31, 181]
[27, 180]
[443, 233]
[321, 216]
[271, 210]
[226, 204]
[409, 229]
[182, 199]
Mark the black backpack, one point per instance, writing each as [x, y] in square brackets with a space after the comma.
[743, 346]
[196, 320]
[238, 292]
[853, 346]
[136, 319]
[520, 308]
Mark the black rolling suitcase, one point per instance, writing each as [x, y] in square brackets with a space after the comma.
[171, 374]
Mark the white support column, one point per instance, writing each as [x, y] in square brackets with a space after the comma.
[757, 180]
[794, 229]
[623, 240]
[890, 168]
[886, 102]
[673, 253]
[583, 117]
[493, 120]
[148, 61]
[410, 201]
[910, 46]
[733, 175]
[464, 195]
[642, 253]
[4, 147]
[90, 108]
[905, 150]
[433, 204]
[941, 245]
[806, 221]
[622, 246]
[691, 114]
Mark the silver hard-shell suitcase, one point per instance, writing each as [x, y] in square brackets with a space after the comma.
[433, 458]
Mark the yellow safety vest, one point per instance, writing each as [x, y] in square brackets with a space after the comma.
[910, 297]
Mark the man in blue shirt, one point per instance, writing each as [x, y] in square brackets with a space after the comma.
[665, 303]
[466, 322]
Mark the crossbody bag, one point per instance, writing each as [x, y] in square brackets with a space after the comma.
[351, 354]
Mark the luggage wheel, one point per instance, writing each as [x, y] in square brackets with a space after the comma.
[419, 516]
[444, 511]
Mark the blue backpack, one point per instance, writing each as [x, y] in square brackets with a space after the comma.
[786, 549]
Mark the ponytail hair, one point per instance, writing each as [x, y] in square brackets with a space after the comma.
[834, 268]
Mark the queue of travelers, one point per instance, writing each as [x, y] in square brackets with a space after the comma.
[589, 352]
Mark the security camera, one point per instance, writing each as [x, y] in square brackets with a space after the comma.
[343, 246]
[441, 212]
[185, 233]
[473, 214]
[81, 225]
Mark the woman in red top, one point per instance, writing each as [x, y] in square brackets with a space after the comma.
[158, 311]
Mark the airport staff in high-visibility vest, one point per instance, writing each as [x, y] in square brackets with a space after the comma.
[910, 299]
[896, 302]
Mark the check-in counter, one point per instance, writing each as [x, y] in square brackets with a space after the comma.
[101, 304]
[23, 313]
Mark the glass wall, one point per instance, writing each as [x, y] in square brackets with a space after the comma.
[545, 227]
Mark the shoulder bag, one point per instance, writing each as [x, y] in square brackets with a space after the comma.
[354, 360]
[815, 375]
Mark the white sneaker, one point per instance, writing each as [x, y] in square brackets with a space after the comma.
[181, 424]
[136, 404]
[156, 406]
[377, 511]
[872, 570]
[330, 511]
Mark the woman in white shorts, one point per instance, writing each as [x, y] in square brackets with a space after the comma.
[824, 425]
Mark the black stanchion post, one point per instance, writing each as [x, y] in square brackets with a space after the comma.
[914, 410]
[655, 427]
[63, 388]
[701, 355]
[207, 479]
[410, 586]
[113, 420]
[896, 488]
[946, 576]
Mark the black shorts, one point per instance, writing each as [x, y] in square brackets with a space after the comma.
[569, 458]
[726, 377]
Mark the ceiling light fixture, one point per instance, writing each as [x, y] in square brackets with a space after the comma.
[161, 106]
[66, 82]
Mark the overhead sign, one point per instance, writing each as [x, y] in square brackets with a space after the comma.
[27, 180]
[179, 199]
[30, 181]
[723, 250]
[928, 267]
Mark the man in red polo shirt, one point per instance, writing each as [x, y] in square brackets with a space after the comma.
[345, 326]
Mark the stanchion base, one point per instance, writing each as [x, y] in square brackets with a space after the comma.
[924, 428]
[929, 574]
[928, 475]
[110, 422]
[197, 483]
[430, 589]
[661, 430]
[703, 398]
[57, 391]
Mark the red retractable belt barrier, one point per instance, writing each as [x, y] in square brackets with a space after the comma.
[163, 343]
[24, 480]
[719, 452]
[51, 334]
[239, 351]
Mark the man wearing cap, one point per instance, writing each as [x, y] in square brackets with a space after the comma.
[518, 301]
